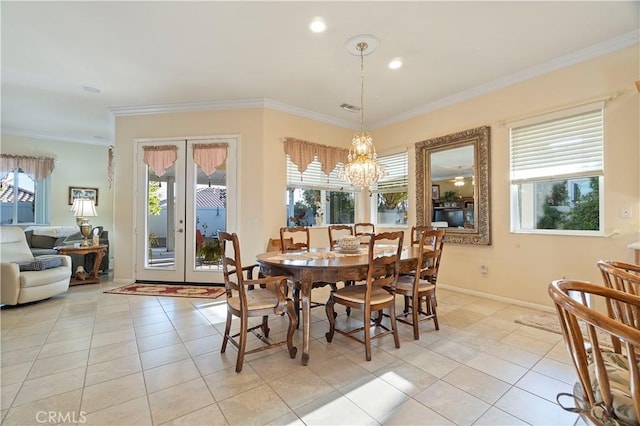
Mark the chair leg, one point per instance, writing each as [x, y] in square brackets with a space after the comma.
[265, 326]
[367, 333]
[415, 316]
[328, 307]
[242, 344]
[433, 303]
[394, 325]
[293, 323]
[227, 329]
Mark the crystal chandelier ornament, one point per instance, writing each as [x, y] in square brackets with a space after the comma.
[362, 169]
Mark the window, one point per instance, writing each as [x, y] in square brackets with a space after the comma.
[315, 198]
[390, 196]
[557, 173]
[24, 200]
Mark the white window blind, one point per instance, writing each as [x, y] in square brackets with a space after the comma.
[315, 178]
[567, 147]
[397, 179]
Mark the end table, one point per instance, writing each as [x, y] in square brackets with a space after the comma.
[99, 251]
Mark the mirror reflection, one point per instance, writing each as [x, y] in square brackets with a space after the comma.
[456, 168]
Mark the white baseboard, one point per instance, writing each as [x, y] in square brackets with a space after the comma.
[498, 298]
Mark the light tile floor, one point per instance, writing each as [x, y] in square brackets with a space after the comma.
[91, 358]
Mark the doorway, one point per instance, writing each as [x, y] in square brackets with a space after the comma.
[185, 193]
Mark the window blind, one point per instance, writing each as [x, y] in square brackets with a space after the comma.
[397, 179]
[315, 178]
[567, 147]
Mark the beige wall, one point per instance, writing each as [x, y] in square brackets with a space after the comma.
[78, 165]
[262, 168]
[521, 266]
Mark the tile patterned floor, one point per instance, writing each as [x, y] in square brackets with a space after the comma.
[90, 358]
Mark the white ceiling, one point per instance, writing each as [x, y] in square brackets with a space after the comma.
[154, 56]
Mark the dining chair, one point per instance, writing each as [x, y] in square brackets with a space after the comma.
[295, 238]
[336, 232]
[376, 294]
[608, 381]
[363, 228]
[249, 297]
[419, 286]
[620, 276]
[417, 230]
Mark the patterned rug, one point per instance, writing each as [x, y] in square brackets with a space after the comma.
[209, 292]
[546, 322]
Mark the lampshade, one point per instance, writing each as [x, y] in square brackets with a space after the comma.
[362, 169]
[84, 208]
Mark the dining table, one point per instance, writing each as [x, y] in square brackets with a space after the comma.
[328, 266]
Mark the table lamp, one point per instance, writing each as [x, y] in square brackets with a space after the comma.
[82, 209]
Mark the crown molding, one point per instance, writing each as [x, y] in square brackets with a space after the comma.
[224, 105]
[617, 43]
[33, 135]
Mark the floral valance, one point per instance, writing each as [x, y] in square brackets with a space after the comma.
[37, 168]
[302, 153]
[208, 156]
[160, 158]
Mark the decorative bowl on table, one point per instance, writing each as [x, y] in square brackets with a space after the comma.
[349, 242]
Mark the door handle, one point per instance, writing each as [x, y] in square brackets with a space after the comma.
[179, 230]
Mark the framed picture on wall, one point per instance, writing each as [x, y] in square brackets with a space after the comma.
[435, 192]
[80, 192]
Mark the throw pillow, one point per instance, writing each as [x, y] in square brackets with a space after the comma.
[40, 264]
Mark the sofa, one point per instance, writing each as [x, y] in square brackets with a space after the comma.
[25, 278]
[42, 240]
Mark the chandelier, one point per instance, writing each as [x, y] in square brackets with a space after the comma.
[362, 169]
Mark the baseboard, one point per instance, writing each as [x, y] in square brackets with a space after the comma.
[498, 298]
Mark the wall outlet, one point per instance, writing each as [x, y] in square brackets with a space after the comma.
[625, 212]
[484, 269]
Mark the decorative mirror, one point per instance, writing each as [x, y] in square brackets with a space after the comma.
[452, 185]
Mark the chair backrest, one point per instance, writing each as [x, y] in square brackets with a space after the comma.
[275, 244]
[232, 266]
[620, 276]
[384, 254]
[364, 229]
[608, 379]
[13, 245]
[336, 232]
[298, 234]
[428, 258]
[417, 230]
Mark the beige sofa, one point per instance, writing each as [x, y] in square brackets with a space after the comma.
[23, 277]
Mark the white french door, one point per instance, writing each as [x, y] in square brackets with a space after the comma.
[179, 209]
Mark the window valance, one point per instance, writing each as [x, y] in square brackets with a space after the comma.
[160, 158]
[302, 153]
[208, 156]
[37, 168]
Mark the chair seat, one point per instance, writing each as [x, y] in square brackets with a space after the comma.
[356, 294]
[257, 299]
[405, 285]
[618, 372]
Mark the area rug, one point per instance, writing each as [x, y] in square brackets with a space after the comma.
[542, 321]
[208, 292]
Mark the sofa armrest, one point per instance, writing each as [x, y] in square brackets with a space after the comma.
[9, 283]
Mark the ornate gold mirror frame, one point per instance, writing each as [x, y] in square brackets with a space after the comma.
[478, 138]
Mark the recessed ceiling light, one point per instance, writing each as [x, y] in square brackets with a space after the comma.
[395, 64]
[317, 25]
[91, 89]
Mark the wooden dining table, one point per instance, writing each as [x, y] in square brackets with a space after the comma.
[323, 265]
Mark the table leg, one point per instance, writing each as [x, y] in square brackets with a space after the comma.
[305, 298]
[96, 264]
